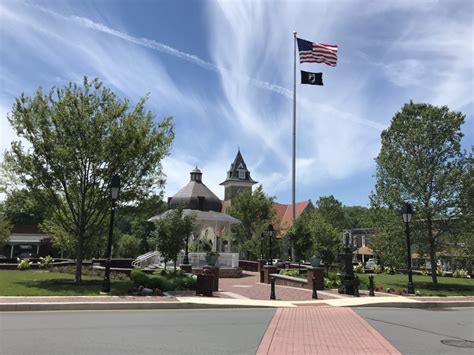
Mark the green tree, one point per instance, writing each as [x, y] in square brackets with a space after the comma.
[26, 207]
[331, 211]
[421, 162]
[128, 246]
[356, 217]
[255, 211]
[5, 228]
[171, 232]
[79, 137]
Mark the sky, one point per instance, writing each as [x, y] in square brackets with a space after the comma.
[224, 71]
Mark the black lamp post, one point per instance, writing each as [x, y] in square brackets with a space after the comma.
[407, 213]
[262, 238]
[186, 257]
[114, 192]
[270, 236]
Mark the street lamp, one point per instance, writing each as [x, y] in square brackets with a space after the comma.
[270, 236]
[262, 238]
[186, 257]
[114, 192]
[407, 213]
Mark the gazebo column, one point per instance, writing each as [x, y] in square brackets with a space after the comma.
[11, 251]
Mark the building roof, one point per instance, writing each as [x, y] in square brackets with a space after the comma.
[283, 215]
[28, 238]
[195, 195]
[238, 166]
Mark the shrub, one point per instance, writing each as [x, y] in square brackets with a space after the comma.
[440, 271]
[423, 270]
[24, 264]
[165, 281]
[359, 268]
[46, 262]
[289, 272]
[332, 281]
[377, 269]
[461, 274]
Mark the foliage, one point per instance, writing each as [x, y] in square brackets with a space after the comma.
[24, 264]
[332, 280]
[461, 274]
[255, 211]
[421, 162]
[26, 207]
[330, 209]
[359, 268]
[163, 281]
[171, 233]
[46, 262]
[128, 246]
[356, 217]
[80, 136]
[290, 272]
[5, 228]
[377, 269]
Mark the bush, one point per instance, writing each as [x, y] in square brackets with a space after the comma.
[165, 281]
[359, 268]
[46, 262]
[461, 274]
[440, 271]
[24, 264]
[332, 280]
[377, 269]
[289, 272]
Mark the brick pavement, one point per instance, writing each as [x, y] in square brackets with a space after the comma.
[249, 286]
[322, 330]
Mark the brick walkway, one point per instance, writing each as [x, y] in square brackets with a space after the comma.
[322, 330]
[249, 286]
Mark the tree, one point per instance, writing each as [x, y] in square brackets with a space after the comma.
[421, 162]
[5, 228]
[356, 217]
[128, 246]
[331, 211]
[24, 207]
[79, 137]
[255, 211]
[171, 233]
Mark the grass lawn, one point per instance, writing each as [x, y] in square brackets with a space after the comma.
[447, 286]
[44, 283]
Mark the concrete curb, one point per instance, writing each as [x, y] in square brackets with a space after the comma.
[102, 306]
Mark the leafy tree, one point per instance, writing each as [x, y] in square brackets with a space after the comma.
[356, 217]
[80, 136]
[128, 246]
[301, 233]
[5, 228]
[171, 233]
[421, 162]
[255, 211]
[331, 211]
[26, 207]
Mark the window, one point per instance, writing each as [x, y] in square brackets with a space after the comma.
[241, 174]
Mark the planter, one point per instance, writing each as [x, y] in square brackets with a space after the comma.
[211, 260]
[315, 261]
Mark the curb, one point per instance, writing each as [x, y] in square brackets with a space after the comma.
[103, 306]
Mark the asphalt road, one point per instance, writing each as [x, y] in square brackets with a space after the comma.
[133, 332]
[421, 331]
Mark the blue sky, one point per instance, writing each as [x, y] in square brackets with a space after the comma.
[223, 70]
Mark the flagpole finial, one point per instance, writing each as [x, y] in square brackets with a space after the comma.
[294, 33]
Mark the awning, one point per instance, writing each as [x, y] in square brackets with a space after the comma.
[26, 238]
[202, 217]
[364, 251]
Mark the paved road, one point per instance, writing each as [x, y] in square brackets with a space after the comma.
[133, 332]
[420, 331]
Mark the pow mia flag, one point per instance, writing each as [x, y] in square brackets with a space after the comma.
[311, 78]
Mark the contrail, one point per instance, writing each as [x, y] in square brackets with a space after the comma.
[163, 48]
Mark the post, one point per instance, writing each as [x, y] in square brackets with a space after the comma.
[106, 281]
[293, 189]
[272, 288]
[371, 285]
[315, 292]
[410, 288]
[186, 257]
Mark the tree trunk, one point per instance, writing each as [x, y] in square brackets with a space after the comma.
[79, 257]
[434, 265]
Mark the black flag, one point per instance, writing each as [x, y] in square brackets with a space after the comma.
[311, 78]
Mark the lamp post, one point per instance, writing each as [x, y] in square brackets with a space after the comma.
[407, 214]
[262, 238]
[114, 192]
[186, 258]
[270, 236]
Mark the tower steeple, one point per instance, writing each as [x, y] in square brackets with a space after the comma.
[238, 179]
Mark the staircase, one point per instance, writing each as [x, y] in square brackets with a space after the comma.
[150, 260]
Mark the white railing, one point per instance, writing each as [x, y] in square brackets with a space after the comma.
[152, 257]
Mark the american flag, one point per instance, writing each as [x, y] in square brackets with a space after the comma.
[317, 52]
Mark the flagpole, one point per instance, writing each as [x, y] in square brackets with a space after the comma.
[293, 208]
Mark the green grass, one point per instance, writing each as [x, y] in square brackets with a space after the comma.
[44, 283]
[447, 286]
